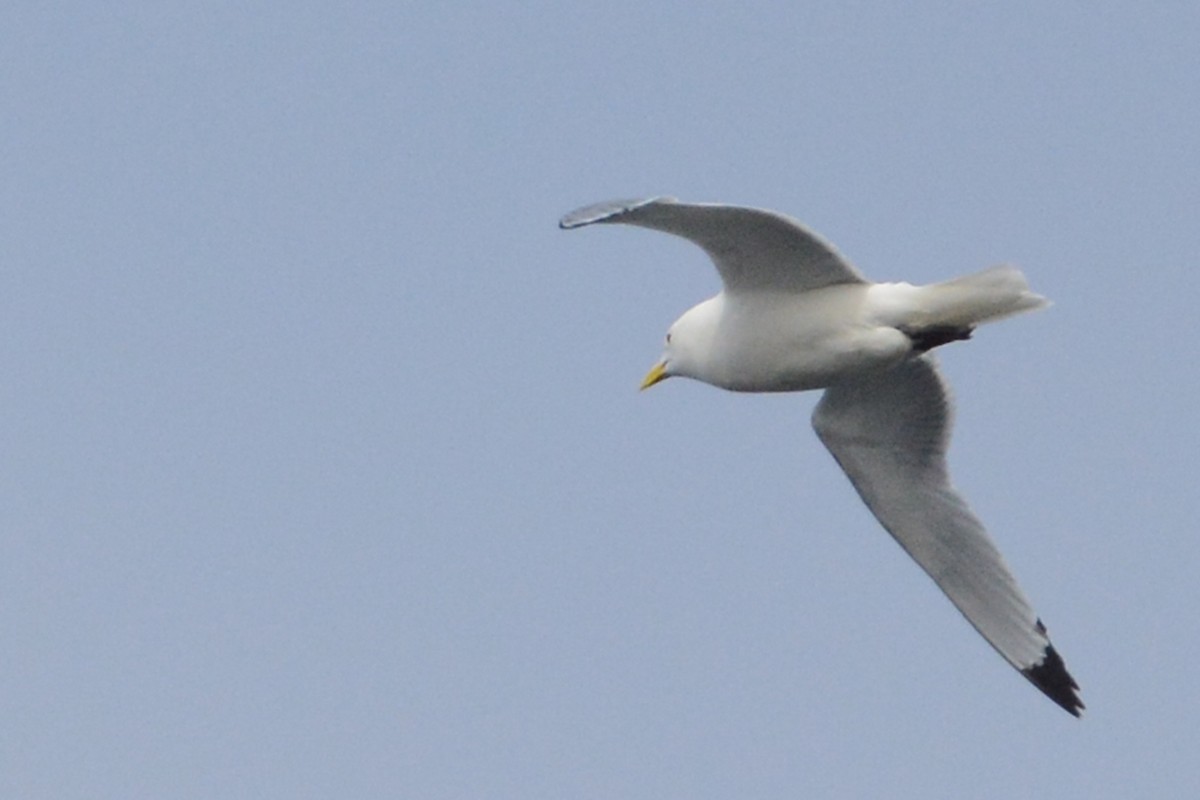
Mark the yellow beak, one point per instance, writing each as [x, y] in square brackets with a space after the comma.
[657, 373]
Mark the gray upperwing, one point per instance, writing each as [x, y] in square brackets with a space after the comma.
[751, 248]
[889, 433]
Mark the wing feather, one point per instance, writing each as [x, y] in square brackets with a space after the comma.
[753, 249]
[889, 432]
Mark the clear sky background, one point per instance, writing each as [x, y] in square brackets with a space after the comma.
[323, 472]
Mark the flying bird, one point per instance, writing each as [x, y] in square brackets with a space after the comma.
[794, 315]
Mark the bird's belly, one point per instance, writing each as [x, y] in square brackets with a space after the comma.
[811, 359]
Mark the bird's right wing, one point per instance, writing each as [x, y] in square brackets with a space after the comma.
[752, 248]
[889, 433]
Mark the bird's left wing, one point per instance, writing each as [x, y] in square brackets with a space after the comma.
[753, 249]
[889, 433]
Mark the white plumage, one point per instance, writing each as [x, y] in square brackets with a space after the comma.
[794, 315]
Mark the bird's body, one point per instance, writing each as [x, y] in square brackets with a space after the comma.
[790, 342]
[794, 315]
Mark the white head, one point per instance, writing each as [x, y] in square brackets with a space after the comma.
[689, 341]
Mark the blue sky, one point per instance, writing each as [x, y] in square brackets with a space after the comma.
[324, 470]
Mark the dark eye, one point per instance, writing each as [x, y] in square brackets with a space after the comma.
[668, 338]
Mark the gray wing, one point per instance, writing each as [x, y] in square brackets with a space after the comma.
[752, 248]
[889, 433]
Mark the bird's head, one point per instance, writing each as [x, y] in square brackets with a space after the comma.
[687, 344]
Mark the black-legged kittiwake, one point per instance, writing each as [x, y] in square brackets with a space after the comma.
[794, 315]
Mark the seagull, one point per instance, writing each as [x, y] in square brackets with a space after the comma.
[794, 315]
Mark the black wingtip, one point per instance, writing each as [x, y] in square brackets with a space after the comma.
[1052, 678]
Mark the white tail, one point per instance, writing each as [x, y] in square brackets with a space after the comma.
[985, 296]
